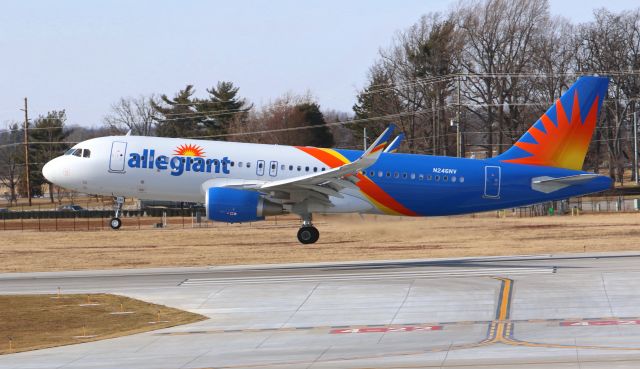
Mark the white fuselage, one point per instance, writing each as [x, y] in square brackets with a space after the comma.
[152, 168]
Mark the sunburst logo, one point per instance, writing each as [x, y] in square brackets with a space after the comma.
[189, 150]
[563, 144]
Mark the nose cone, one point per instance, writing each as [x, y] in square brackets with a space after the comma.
[52, 171]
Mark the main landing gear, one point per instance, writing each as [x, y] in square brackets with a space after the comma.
[308, 234]
[115, 222]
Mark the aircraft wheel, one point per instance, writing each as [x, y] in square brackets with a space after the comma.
[308, 235]
[115, 223]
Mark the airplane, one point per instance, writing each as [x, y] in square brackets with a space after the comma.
[244, 182]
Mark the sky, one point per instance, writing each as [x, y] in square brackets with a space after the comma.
[82, 56]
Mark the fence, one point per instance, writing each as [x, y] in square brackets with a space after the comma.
[96, 220]
[91, 220]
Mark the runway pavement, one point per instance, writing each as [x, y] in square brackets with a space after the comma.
[546, 311]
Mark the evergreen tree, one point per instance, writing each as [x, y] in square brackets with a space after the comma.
[47, 142]
[178, 116]
[222, 108]
[320, 136]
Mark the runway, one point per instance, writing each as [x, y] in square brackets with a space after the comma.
[539, 311]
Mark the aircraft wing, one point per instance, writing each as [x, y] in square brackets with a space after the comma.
[550, 184]
[330, 182]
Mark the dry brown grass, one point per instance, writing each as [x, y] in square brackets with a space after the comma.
[40, 321]
[343, 238]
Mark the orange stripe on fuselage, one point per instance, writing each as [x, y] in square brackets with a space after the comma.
[381, 199]
[324, 156]
[371, 189]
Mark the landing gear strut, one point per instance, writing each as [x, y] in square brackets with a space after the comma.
[308, 234]
[115, 222]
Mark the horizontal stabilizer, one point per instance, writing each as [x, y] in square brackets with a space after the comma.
[550, 184]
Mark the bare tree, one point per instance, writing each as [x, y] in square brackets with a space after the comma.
[412, 82]
[612, 43]
[10, 158]
[135, 114]
[290, 120]
[500, 37]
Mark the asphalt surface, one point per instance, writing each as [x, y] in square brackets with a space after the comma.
[562, 311]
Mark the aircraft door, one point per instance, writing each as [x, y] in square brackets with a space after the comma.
[118, 152]
[492, 181]
[273, 168]
[260, 168]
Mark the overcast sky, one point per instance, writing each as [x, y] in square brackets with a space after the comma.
[84, 55]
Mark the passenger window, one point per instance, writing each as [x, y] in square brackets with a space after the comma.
[421, 177]
[461, 179]
[290, 167]
[232, 163]
[429, 177]
[445, 178]
[315, 169]
[396, 175]
[86, 153]
[388, 174]
[299, 168]
[239, 164]
[437, 178]
[248, 165]
[380, 174]
[404, 175]
[413, 176]
[306, 169]
[282, 166]
[453, 179]
[322, 169]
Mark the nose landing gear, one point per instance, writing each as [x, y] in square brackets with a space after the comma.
[308, 234]
[115, 222]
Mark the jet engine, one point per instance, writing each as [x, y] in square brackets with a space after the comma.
[232, 205]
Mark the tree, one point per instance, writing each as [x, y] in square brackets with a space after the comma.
[46, 142]
[185, 115]
[291, 120]
[177, 117]
[222, 108]
[133, 114]
[612, 43]
[11, 153]
[411, 83]
[499, 40]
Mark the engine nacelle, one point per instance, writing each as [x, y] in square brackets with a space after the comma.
[231, 205]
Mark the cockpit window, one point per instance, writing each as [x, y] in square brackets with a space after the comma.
[81, 153]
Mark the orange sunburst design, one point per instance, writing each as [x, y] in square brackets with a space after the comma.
[189, 150]
[369, 188]
[563, 145]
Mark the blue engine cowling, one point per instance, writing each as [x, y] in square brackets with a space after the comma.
[235, 206]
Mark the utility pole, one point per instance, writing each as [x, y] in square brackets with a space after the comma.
[635, 143]
[433, 129]
[458, 116]
[26, 150]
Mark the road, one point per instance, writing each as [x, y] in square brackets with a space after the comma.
[539, 311]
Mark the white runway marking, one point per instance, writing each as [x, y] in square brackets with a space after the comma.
[371, 276]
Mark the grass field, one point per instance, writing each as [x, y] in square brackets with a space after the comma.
[342, 238]
[32, 322]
